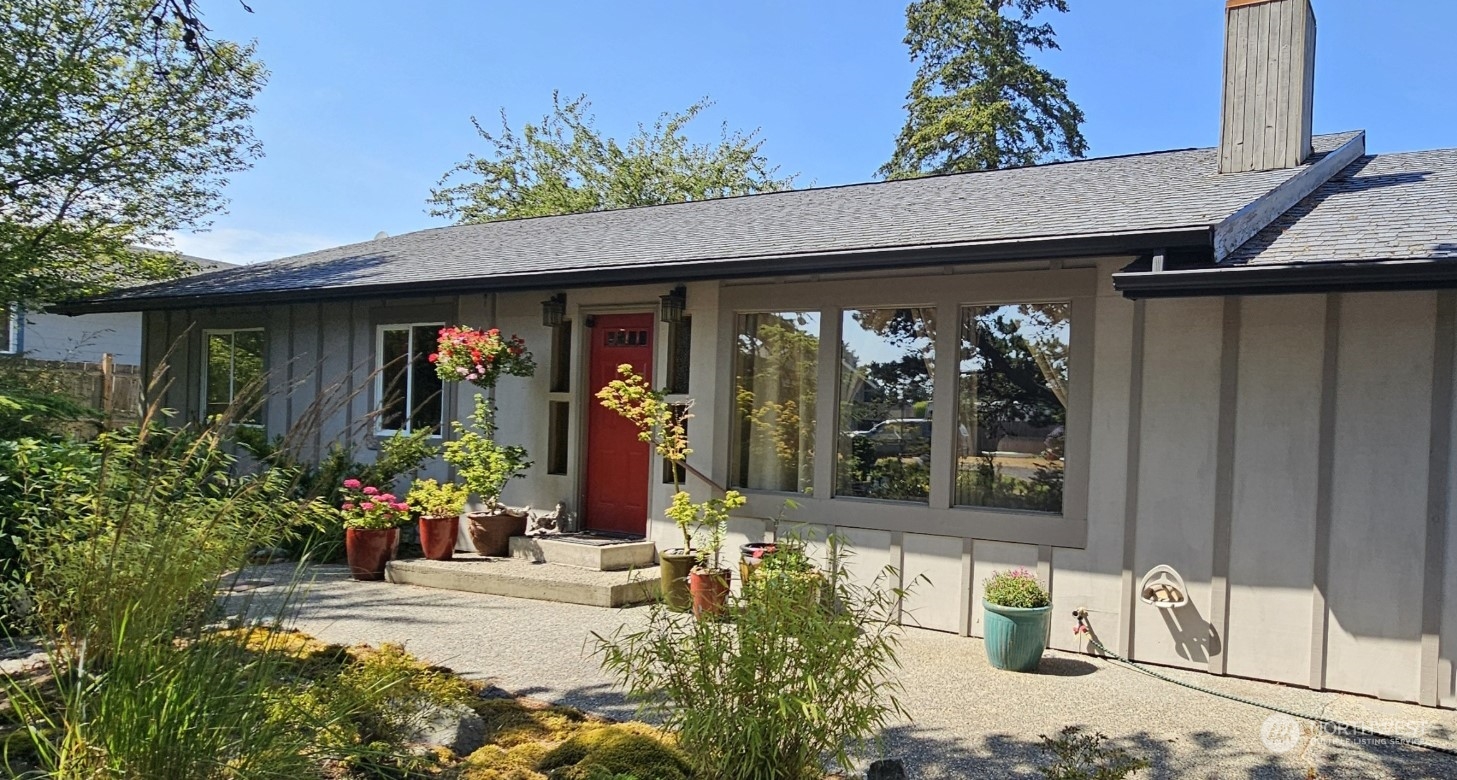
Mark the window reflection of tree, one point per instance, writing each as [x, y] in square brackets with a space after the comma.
[1013, 398]
[775, 376]
[891, 461]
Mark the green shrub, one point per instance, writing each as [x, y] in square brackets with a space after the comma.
[1078, 756]
[126, 539]
[1016, 588]
[398, 456]
[485, 466]
[801, 671]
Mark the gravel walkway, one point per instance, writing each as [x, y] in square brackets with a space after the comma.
[968, 720]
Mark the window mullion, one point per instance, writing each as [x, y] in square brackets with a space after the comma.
[232, 367]
[827, 403]
[409, 421]
[945, 423]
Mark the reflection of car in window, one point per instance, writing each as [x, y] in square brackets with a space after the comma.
[903, 438]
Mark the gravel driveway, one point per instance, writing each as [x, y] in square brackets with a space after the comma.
[968, 720]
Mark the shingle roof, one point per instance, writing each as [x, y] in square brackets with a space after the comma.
[1158, 192]
[1382, 207]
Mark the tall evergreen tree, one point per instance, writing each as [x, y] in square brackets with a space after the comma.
[977, 101]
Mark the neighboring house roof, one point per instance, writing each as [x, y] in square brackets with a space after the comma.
[1098, 206]
[1386, 221]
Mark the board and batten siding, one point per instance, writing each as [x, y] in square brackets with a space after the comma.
[1289, 456]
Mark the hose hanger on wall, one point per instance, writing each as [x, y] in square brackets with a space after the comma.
[1162, 587]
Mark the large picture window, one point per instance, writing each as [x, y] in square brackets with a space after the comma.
[233, 380]
[1012, 406]
[887, 362]
[411, 395]
[775, 365]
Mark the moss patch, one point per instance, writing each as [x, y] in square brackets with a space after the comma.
[526, 739]
[626, 748]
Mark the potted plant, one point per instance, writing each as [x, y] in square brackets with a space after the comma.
[662, 425]
[752, 556]
[486, 466]
[372, 520]
[439, 506]
[1018, 612]
[464, 354]
[708, 582]
[789, 572]
[755, 554]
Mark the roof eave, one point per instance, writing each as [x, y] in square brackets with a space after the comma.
[1290, 279]
[1198, 237]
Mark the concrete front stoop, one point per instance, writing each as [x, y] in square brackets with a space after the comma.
[525, 579]
[586, 552]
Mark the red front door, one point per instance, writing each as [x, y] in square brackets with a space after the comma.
[617, 461]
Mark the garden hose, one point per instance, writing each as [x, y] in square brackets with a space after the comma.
[1084, 628]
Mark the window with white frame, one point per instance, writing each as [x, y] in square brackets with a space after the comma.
[9, 330]
[233, 383]
[410, 396]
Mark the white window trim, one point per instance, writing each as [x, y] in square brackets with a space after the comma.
[12, 345]
[379, 332]
[207, 335]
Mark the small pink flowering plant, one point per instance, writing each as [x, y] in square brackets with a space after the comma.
[369, 508]
[464, 354]
[1016, 588]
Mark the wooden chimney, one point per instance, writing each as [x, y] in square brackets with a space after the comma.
[1269, 84]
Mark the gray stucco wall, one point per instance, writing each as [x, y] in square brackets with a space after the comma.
[1279, 452]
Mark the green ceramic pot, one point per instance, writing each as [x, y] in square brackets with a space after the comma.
[674, 567]
[1015, 636]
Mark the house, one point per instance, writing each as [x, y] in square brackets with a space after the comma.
[41, 335]
[1238, 361]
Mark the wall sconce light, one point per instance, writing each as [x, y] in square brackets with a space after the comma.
[671, 306]
[553, 310]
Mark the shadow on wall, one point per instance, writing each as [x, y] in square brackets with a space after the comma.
[1194, 638]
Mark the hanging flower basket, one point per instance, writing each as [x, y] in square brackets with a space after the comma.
[480, 356]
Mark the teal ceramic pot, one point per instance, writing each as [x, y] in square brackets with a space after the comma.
[1015, 637]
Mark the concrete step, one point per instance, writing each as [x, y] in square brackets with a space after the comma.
[526, 580]
[586, 552]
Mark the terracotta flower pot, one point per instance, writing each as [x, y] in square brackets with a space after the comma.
[710, 589]
[673, 568]
[437, 537]
[369, 549]
[491, 532]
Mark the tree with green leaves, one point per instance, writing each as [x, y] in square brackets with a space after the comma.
[564, 165]
[978, 102]
[116, 127]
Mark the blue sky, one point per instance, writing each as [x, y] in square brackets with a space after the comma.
[369, 101]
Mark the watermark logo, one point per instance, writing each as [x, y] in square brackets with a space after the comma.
[1280, 733]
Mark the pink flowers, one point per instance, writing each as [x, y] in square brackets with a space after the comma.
[369, 508]
[466, 354]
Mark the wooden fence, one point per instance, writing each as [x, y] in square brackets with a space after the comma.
[113, 390]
